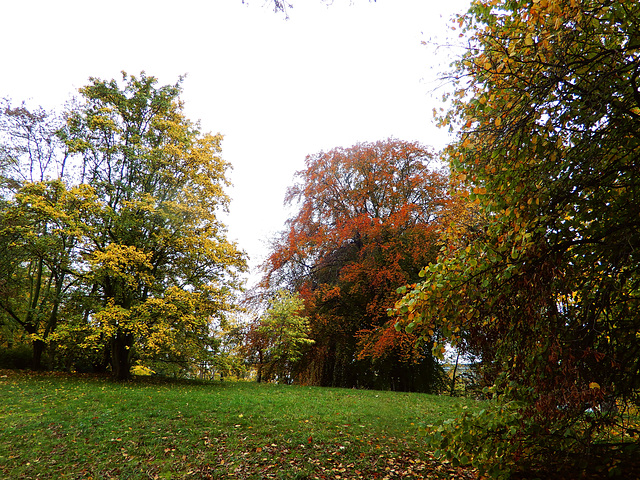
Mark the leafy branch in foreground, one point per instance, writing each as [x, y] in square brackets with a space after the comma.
[547, 291]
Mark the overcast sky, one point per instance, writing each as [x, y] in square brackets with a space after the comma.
[277, 89]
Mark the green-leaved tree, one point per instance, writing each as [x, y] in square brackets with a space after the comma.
[279, 338]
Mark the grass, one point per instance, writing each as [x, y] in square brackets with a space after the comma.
[72, 427]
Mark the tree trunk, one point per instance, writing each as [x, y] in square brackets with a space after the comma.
[121, 355]
[38, 349]
[260, 361]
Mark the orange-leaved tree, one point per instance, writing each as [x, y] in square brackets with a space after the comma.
[365, 226]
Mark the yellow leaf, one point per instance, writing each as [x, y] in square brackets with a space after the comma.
[594, 386]
[498, 121]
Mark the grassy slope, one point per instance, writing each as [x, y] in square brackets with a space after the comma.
[60, 427]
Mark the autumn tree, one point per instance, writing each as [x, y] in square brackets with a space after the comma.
[158, 266]
[230, 355]
[276, 341]
[364, 227]
[42, 225]
[548, 110]
[30, 149]
[38, 224]
[109, 222]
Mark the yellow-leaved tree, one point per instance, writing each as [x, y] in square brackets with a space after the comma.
[158, 269]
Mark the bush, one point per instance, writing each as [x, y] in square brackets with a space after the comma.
[19, 357]
[508, 440]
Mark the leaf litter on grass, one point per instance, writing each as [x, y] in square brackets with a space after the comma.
[323, 463]
[90, 428]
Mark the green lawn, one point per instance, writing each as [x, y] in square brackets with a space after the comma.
[64, 427]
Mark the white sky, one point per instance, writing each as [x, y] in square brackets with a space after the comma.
[277, 89]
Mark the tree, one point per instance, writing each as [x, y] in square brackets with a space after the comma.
[365, 226]
[548, 107]
[39, 222]
[41, 227]
[30, 150]
[109, 223]
[159, 267]
[230, 357]
[278, 339]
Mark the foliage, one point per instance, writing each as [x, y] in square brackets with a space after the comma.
[40, 228]
[34, 241]
[225, 357]
[230, 357]
[278, 339]
[365, 226]
[127, 244]
[16, 357]
[547, 290]
[30, 149]
[499, 439]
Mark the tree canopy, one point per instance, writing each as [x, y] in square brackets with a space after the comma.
[130, 232]
[277, 341]
[364, 227]
[547, 289]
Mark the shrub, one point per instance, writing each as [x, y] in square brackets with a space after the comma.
[18, 357]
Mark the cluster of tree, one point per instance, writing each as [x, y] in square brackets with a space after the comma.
[546, 287]
[366, 224]
[113, 252]
[525, 256]
[110, 247]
